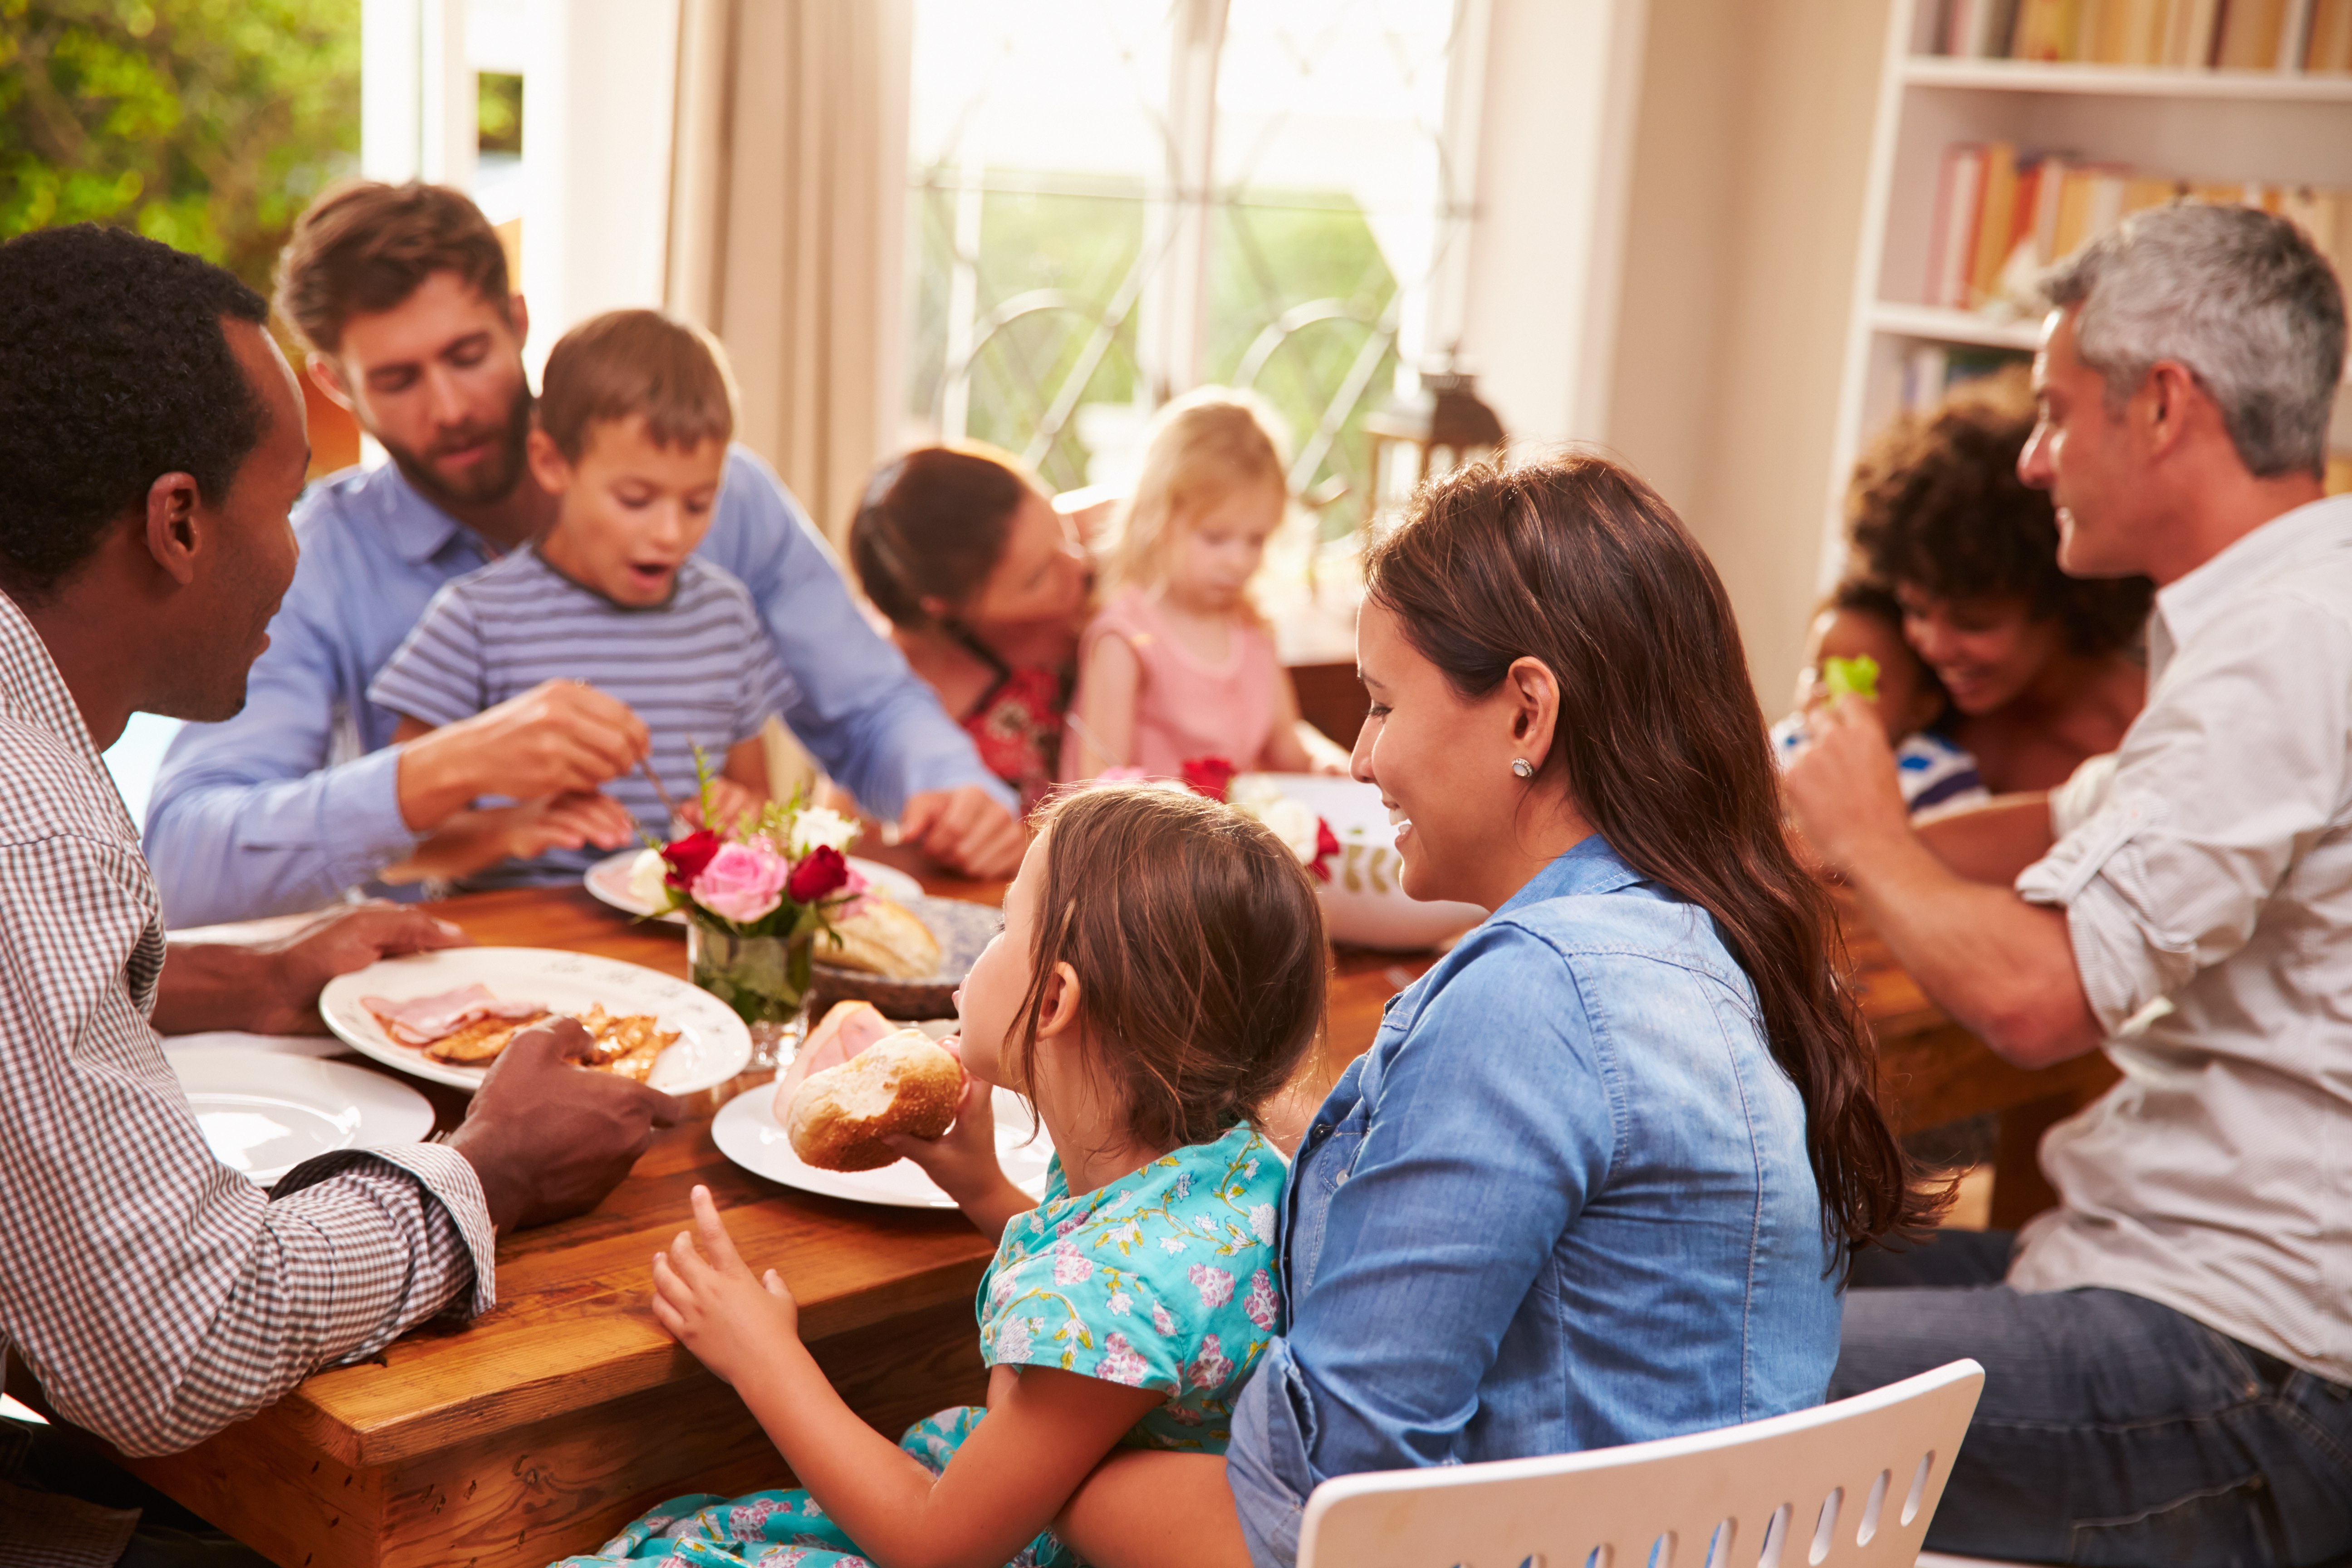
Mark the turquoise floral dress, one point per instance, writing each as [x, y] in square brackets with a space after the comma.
[1163, 1280]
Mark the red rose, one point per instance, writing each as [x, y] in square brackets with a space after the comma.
[822, 870]
[1212, 776]
[688, 855]
[1327, 844]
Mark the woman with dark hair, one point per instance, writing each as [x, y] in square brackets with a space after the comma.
[1598, 1178]
[986, 588]
[2044, 670]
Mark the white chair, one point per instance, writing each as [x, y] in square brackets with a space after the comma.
[1861, 1475]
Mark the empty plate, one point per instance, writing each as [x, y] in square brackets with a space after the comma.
[263, 1112]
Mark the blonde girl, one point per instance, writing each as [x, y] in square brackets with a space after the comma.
[1178, 666]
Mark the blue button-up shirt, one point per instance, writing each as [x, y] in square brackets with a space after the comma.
[1563, 1202]
[295, 800]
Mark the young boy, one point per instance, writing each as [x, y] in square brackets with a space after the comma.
[1862, 620]
[634, 422]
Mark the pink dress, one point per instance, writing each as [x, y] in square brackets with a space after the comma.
[1185, 708]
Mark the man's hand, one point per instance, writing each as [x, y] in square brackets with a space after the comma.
[707, 1296]
[1841, 788]
[478, 837]
[965, 830]
[550, 1139]
[272, 988]
[559, 738]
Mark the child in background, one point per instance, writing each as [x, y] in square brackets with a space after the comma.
[1862, 620]
[1146, 1015]
[632, 436]
[1179, 666]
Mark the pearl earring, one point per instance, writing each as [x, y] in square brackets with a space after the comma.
[1523, 768]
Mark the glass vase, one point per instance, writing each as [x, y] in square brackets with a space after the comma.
[764, 978]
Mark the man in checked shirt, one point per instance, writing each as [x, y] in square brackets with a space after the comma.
[152, 442]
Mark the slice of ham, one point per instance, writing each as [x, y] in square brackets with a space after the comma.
[420, 1020]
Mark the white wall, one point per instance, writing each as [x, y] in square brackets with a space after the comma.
[1555, 157]
[1750, 156]
[599, 81]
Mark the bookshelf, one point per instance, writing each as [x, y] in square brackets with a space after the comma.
[2282, 127]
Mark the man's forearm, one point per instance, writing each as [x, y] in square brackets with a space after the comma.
[2002, 968]
[1994, 841]
[220, 985]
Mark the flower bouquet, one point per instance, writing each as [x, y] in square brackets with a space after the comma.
[755, 894]
[1302, 830]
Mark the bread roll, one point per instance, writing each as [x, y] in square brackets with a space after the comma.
[881, 937]
[901, 1083]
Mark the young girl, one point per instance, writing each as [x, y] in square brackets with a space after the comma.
[1179, 666]
[1146, 1017]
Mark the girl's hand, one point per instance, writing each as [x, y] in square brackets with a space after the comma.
[707, 1296]
[963, 1161]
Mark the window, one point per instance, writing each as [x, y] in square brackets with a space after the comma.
[1117, 200]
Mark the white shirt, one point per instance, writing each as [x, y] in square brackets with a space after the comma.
[2206, 872]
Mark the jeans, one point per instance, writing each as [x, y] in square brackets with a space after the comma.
[2112, 1429]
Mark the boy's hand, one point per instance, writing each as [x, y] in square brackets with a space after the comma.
[560, 737]
[705, 1296]
[478, 839]
[730, 803]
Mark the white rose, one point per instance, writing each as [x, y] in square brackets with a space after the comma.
[821, 826]
[645, 879]
[1252, 794]
[1296, 824]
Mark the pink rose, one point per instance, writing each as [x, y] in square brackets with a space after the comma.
[1120, 1362]
[1262, 1304]
[743, 883]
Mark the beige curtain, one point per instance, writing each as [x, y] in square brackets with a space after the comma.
[788, 198]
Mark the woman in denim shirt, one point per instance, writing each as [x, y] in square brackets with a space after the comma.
[1595, 1180]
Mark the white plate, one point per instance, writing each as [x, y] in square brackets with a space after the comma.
[608, 882]
[263, 1112]
[713, 1045]
[747, 1132]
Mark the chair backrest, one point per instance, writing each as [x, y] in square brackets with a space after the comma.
[1850, 1483]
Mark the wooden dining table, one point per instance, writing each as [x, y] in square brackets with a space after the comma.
[540, 1428]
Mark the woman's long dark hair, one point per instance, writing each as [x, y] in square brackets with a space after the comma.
[1578, 563]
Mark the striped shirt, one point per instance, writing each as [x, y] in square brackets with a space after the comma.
[1929, 769]
[155, 1293]
[698, 670]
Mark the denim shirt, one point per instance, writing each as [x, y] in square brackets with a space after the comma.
[1563, 1202]
[296, 799]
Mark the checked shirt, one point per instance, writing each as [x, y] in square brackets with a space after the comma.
[156, 1293]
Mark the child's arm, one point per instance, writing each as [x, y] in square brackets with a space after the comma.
[738, 789]
[1048, 1429]
[1104, 733]
[963, 1161]
[478, 837]
[1294, 746]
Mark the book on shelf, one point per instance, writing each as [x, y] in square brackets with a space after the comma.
[2002, 217]
[2177, 35]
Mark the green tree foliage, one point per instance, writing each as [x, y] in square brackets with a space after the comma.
[207, 124]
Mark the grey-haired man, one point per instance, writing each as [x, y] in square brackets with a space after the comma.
[2169, 1351]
